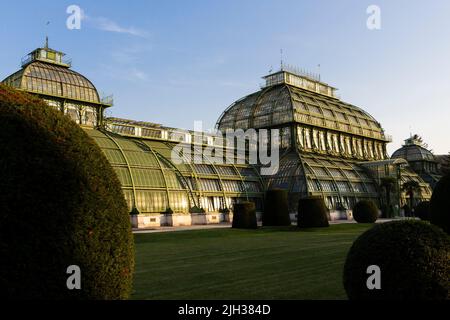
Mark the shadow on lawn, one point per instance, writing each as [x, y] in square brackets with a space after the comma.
[330, 229]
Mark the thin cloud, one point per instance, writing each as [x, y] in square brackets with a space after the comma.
[138, 74]
[106, 24]
[131, 74]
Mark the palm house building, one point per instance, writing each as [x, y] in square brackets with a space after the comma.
[420, 159]
[327, 147]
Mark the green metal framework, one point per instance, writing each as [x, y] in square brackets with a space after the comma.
[145, 169]
[327, 145]
[328, 140]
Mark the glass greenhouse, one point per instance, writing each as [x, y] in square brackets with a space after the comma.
[327, 147]
[420, 159]
[325, 142]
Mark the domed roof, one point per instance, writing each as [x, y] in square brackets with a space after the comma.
[414, 150]
[286, 103]
[54, 80]
[42, 75]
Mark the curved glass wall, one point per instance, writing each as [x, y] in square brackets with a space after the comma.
[280, 104]
[153, 183]
[54, 80]
[341, 183]
[63, 89]
[414, 153]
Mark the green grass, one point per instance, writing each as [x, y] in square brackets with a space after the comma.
[268, 263]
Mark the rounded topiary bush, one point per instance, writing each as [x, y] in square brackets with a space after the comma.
[413, 257]
[365, 211]
[312, 213]
[422, 210]
[61, 204]
[440, 204]
[244, 216]
[276, 208]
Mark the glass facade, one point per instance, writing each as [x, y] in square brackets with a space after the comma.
[54, 80]
[328, 140]
[61, 87]
[420, 159]
[152, 182]
[282, 103]
[327, 147]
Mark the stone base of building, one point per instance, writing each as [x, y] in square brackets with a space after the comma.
[175, 220]
[142, 221]
[333, 216]
[341, 215]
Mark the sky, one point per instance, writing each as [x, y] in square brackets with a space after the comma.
[175, 62]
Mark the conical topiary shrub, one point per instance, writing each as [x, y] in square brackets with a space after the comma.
[312, 213]
[61, 204]
[244, 216]
[365, 211]
[276, 208]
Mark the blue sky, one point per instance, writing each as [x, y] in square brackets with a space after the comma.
[174, 62]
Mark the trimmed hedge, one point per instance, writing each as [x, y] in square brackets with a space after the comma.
[440, 204]
[276, 208]
[413, 257]
[423, 210]
[61, 204]
[312, 213]
[244, 216]
[365, 211]
[196, 209]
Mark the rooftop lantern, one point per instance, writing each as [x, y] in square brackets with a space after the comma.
[48, 55]
[301, 79]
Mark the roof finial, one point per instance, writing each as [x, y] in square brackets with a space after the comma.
[46, 36]
[281, 59]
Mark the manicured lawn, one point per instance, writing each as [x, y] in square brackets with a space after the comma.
[268, 263]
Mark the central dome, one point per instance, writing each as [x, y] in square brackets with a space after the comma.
[286, 102]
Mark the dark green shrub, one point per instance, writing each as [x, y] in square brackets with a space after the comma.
[224, 210]
[422, 210]
[61, 204]
[312, 213]
[244, 216]
[134, 211]
[196, 209]
[440, 204]
[168, 211]
[276, 208]
[413, 257]
[365, 211]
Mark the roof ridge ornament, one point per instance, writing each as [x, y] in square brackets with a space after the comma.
[46, 36]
